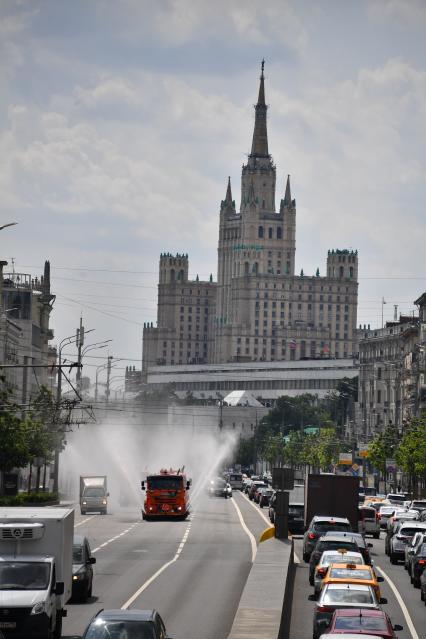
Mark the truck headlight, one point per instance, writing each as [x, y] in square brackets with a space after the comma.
[104, 502]
[38, 609]
[84, 503]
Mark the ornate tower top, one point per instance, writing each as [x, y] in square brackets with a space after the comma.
[259, 147]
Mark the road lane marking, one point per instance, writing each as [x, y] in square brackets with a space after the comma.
[402, 605]
[153, 577]
[84, 521]
[246, 530]
[259, 512]
[106, 543]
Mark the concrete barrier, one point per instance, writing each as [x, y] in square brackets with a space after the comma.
[264, 611]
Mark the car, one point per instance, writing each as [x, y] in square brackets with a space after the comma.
[398, 542]
[318, 526]
[417, 564]
[264, 496]
[132, 624]
[391, 530]
[347, 572]
[361, 622]
[235, 479]
[385, 512]
[82, 571]
[219, 487]
[246, 486]
[409, 548]
[334, 596]
[399, 499]
[257, 493]
[296, 518]
[329, 542]
[423, 586]
[330, 557]
[368, 522]
[256, 484]
[363, 546]
[418, 504]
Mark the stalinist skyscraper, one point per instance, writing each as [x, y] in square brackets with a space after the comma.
[259, 310]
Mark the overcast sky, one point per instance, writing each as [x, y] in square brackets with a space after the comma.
[120, 121]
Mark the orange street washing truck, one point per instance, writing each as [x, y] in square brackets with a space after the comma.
[166, 495]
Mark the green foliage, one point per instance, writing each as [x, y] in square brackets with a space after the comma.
[23, 499]
[244, 452]
[384, 446]
[293, 414]
[411, 454]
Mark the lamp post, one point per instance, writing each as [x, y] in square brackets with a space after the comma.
[107, 366]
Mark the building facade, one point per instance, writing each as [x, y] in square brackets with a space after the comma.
[392, 374]
[26, 306]
[259, 310]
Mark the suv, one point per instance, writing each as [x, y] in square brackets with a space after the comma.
[399, 541]
[368, 521]
[319, 525]
[329, 542]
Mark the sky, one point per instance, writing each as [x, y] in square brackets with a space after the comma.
[120, 121]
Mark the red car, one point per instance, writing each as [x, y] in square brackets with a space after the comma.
[362, 621]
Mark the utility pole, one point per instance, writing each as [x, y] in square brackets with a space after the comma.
[110, 357]
[79, 343]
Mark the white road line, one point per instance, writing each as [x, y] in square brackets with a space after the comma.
[259, 512]
[80, 523]
[402, 605]
[247, 531]
[114, 538]
[147, 583]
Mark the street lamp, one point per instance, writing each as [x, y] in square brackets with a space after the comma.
[107, 366]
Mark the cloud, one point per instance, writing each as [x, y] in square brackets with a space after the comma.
[411, 12]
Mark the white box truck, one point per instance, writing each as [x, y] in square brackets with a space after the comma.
[35, 571]
[93, 494]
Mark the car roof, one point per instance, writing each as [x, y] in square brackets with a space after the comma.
[362, 587]
[360, 612]
[351, 635]
[421, 525]
[339, 520]
[352, 567]
[350, 553]
[336, 538]
[122, 615]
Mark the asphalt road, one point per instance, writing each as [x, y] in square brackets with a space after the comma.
[302, 612]
[197, 593]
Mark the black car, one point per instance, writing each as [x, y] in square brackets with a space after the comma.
[330, 542]
[219, 487]
[417, 564]
[423, 586]
[319, 525]
[363, 546]
[296, 518]
[133, 624]
[82, 571]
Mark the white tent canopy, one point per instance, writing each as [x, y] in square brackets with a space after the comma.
[241, 398]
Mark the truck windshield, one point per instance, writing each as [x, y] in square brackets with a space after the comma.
[94, 492]
[24, 575]
[164, 483]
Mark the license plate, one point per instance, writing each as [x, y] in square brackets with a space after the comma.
[7, 624]
[165, 507]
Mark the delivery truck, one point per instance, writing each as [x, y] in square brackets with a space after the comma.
[35, 571]
[93, 494]
[332, 495]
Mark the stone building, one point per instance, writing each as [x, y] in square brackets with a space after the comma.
[27, 303]
[391, 374]
[259, 310]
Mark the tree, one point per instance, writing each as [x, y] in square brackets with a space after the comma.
[411, 454]
[244, 452]
[384, 446]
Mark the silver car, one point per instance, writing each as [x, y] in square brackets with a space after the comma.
[335, 596]
[332, 557]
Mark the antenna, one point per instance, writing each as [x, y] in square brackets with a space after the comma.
[395, 312]
[13, 265]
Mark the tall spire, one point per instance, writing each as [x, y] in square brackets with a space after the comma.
[259, 147]
[287, 196]
[228, 198]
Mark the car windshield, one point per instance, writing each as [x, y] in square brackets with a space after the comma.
[360, 623]
[346, 595]
[408, 532]
[218, 483]
[323, 526]
[94, 492]
[164, 483]
[295, 510]
[24, 575]
[77, 554]
[236, 477]
[339, 559]
[102, 629]
[347, 573]
[335, 545]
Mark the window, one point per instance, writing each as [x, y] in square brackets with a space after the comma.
[270, 232]
[260, 231]
[279, 233]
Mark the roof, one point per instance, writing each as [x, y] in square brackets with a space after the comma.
[241, 398]
[351, 636]
[132, 614]
[362, 587]
[339, 520]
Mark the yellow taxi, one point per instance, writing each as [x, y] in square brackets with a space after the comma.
[352, 574]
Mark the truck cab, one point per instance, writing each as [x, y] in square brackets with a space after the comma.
[166, 495]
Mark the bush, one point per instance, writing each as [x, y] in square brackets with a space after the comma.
[24, 499]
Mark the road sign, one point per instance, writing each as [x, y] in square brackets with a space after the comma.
[345, 459]
[283, 478]
[390, 466]
[362, 450]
